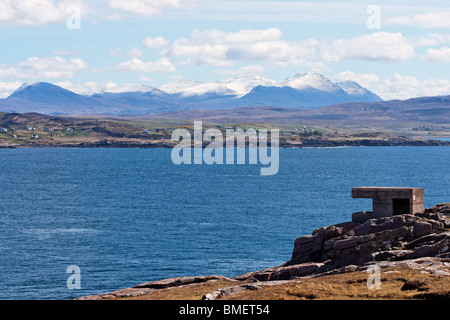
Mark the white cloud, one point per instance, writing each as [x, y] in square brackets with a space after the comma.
[144, 7]
[37, 12]
[433, 39]
[438, 55]
[404, 87]
[126, 87]
[135, 53]
[244, 36]
[87, 88]
[137, 65]
[378, 46]
[363, 79]
[43, 68]
[218, 48]
[7, 88]
[146, 79]
[198, 51]
[155, 43]
[428, 20]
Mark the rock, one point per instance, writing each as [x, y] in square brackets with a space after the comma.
[345, 227]
[390, 255]
[294, 271]
[432, 209]
[362, 216]
[429, 250]
[421, 228]
[223, 292]
[427, 239]
[393, 238]
[176, 282]
[439, 272]
[415, 285]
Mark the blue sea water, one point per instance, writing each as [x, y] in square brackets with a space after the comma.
[127, 216]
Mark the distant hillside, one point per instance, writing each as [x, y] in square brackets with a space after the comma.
[425, 109]
[50, 99]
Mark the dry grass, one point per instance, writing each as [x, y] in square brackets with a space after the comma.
[187, 292]
[396, 284]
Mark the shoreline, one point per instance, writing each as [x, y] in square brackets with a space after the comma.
[305, 143]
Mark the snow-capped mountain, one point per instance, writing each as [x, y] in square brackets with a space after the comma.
[303, 90]
[304, 81]
[355, 90]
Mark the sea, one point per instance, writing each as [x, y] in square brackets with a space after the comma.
[123, 217]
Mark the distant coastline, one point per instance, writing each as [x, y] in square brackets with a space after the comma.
[305, 143]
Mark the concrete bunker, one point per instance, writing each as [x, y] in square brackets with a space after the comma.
[387, 202]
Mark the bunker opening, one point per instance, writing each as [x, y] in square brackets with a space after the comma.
[401, 206]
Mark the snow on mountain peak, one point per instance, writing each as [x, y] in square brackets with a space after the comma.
[192, 87]
[27, 85]
[351, 87]
[244, 84]
[309, 79]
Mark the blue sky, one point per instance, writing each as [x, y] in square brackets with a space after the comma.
[396, 49]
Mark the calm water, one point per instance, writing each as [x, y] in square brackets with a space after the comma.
[127, 216]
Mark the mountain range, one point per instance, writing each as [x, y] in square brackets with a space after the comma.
[302, 91]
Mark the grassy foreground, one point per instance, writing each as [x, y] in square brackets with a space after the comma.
[396, 284]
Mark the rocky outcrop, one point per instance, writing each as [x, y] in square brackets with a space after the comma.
[349, 246]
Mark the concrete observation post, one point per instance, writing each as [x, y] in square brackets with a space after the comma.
[387, 202]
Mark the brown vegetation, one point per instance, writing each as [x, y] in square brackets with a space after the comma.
[396, 284]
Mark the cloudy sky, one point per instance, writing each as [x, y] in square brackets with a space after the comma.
[396, 49]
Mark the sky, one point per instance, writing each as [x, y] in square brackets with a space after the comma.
[397, 49]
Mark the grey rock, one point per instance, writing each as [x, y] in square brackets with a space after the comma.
[176, 282]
